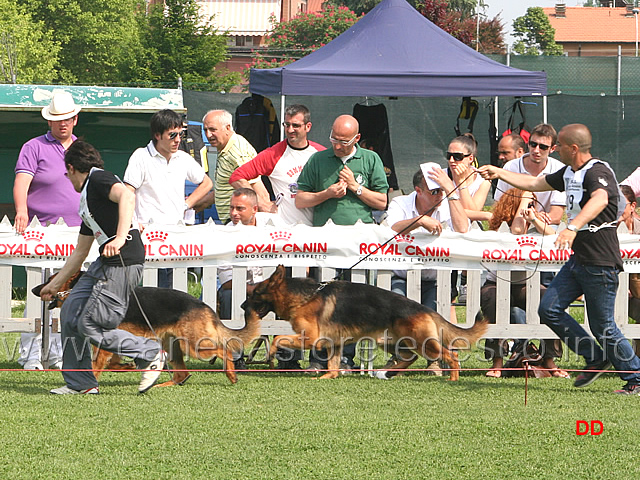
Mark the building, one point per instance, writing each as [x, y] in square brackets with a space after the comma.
[248, 21]
[596, 31]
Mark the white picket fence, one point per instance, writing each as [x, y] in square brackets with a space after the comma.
[381, 278]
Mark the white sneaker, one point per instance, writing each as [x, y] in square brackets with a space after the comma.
[33, 365]
[381, 375]
[56, 365]
[69, 391]
[152, 372]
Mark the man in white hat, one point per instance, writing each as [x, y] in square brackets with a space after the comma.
[41, 190]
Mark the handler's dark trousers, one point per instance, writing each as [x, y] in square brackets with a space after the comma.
[91, 315]
[599, 285]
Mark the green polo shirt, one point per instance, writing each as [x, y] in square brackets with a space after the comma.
[321, 171]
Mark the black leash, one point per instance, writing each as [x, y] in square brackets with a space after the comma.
[407, 228]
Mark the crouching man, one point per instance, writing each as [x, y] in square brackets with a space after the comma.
[97, 304]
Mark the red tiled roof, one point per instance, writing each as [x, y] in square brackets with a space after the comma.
[593, 24]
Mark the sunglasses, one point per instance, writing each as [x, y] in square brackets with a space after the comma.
[457, 156]
[173, 135]
[342, 142]
[542, 146]
[294, 125]
[435, 191]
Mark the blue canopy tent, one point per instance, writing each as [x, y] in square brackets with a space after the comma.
[395, 51]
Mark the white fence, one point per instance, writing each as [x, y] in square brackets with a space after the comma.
[381, 278]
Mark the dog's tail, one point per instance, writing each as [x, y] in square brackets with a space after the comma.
[238, 339]
[455, 336]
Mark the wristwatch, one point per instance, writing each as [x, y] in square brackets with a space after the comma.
[573, 228]
[454, 196]
[359, 190]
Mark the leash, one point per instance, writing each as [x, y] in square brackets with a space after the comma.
[133, 292]
[407, 228]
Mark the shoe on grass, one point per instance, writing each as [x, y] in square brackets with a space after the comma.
[33, 365]
[629, 389]
[70, 391]
[152, 372]
[590, 374]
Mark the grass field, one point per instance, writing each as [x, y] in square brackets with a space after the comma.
[289, 426]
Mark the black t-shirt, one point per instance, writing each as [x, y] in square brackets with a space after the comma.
[105, 213]
[600, 247]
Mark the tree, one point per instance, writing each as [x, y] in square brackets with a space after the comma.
[454, 22]
[27, 49]
[99, 38]
[180, 42]
[535, 33]
[303, 34]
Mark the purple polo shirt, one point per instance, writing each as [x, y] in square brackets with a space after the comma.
[51, 195]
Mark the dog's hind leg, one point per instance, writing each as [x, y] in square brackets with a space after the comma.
[433, 350]
[176, 359]
[227, 361]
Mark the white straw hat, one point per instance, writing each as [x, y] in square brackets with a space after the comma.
[61, 107]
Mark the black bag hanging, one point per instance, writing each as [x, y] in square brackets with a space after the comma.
[521, 129]
[256, 121]
[374, 132]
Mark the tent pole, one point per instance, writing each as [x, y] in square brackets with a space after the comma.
[282, 100]
[496, 119]
[544, 109]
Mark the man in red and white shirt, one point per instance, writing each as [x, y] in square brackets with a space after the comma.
[282, 163]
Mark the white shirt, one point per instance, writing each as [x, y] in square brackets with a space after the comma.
[403, 208]
[159, 184]
[547, 199]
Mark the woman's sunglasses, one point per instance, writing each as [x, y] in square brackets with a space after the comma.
[457, 156]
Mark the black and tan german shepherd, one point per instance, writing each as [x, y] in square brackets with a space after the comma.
[339, 312]
[183, 323]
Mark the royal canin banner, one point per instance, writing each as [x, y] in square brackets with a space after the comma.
[368, 246]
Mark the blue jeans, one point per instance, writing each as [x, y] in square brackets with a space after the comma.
[428, 290]
[599, 286]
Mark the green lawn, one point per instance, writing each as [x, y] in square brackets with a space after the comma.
[290, 426]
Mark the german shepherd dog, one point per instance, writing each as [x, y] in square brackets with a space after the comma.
[183, 324]
[339, 312]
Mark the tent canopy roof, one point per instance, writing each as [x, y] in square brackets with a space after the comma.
[395, 51]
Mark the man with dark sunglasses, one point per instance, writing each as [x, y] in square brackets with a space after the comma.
[424, 210]
[594, 205]
[282, 163]
[157, 173]
[538, 162]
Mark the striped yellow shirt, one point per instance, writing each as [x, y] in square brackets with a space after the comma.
[238, 151]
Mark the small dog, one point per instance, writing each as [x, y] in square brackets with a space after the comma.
[183, 324]
[340, 312]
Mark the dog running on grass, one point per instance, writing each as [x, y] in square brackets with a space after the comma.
[183, 323]
[340, 312]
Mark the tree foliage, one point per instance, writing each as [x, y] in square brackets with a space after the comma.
[180, 42]
[456, 24]
[303, 34]
[535, 34]
[120, 42]
[26, 47]
[99, 38]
